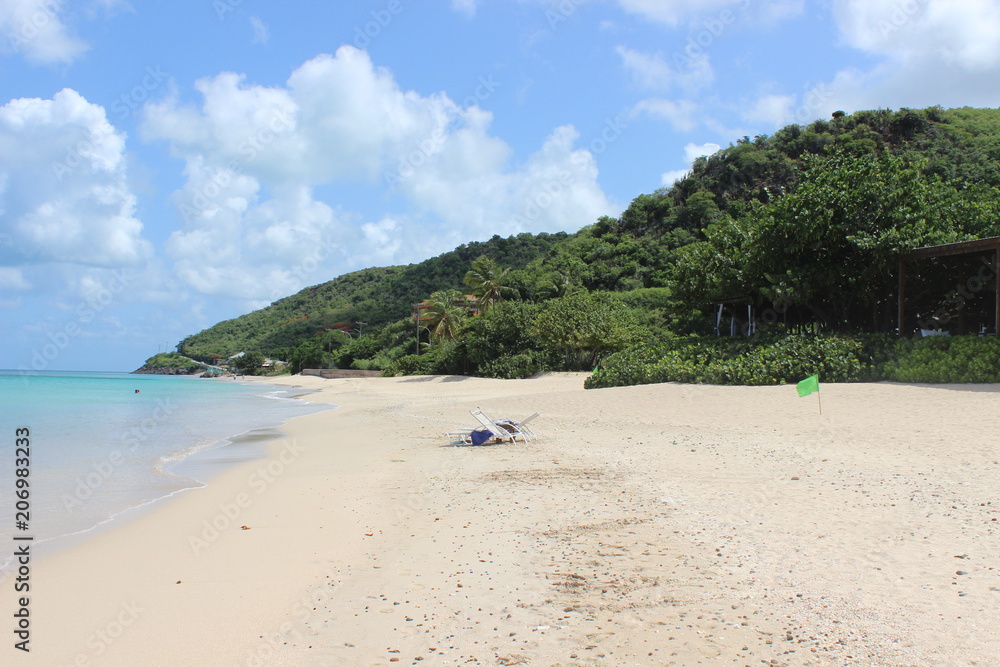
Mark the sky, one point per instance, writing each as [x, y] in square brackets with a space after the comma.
[168, 165]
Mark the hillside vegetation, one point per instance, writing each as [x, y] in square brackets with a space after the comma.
[797, 232]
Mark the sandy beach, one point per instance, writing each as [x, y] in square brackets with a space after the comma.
[653, 525]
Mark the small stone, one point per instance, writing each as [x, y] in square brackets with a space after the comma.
[961, 573]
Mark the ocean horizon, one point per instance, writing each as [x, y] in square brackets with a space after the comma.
[105, 443]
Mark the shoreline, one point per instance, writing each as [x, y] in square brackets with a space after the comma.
[660, 524]
[180, 471]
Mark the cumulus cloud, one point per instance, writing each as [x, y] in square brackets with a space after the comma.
[771, 110]
[965, 35]
[695, 151]
[930, 52]
[692, 152]
[34, 29]
[671, 177]
[254, 156]
[65, 194]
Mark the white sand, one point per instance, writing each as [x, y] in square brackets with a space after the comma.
[655, 525]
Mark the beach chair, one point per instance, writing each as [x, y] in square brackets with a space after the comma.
[502, 431]
[523, 427]
[462, 435]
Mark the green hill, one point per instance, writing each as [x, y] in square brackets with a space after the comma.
[808, 221]
[375, 296]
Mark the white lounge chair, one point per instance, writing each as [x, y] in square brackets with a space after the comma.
[462, 435]
[502, 431]
[522, 426]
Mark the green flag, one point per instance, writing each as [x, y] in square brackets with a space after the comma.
[808, 386]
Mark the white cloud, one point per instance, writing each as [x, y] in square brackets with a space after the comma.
[680, 114]
[671, 177]
[261, 33]
[964, 34]
[932, 52]
[467, 7]
[692, 152]
[66, 196]
[674, 12]
[12, 279]
[772, 110]
[254, 156]
[695, 151]
[34, 29]
[653, 72]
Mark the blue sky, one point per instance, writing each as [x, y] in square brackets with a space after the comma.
[165, 166]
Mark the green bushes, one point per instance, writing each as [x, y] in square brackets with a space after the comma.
[747, 361]
[520, 365]
[959, 359]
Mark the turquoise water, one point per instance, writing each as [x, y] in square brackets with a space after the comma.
[99, 448]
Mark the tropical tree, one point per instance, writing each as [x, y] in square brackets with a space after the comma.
[830, 246]
[488, 282]
[586, 327]
[249, 362]
[554, 286]
[444, 313]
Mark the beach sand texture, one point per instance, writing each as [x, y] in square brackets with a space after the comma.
[653, 525]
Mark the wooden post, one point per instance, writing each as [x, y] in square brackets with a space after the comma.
[996, 271]
[901, 314]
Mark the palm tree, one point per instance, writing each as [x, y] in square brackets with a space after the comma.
[443, 313]
[554, 286]
[488, 282]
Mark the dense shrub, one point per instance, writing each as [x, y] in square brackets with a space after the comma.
[504, 331]
[747, 361]
[586, 327]
[439, 359]
[956, 359]
[520, 365]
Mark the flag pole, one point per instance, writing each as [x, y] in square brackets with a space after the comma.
[820, 400]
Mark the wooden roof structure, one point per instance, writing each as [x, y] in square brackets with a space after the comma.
[980, 246]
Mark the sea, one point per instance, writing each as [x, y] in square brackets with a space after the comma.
[103, 446]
